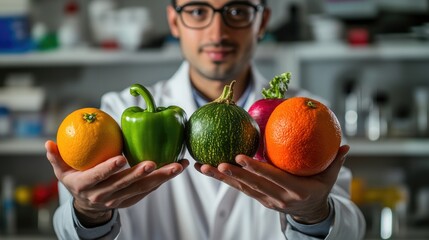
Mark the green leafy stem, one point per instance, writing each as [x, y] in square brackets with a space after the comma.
[278, 86]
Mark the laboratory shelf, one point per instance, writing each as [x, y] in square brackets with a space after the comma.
[412, 147]
[85, 56]
[23, 146]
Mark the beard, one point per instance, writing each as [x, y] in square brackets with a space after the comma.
[238, 59]
[218, 72]
[223, 71]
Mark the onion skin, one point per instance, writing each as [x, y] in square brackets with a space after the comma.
[261, 111]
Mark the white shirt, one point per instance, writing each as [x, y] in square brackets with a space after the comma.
[194, 207]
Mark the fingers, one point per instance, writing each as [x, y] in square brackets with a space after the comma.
[339, 159]
[123, 179]
[138, 182]
[130, 196]
[265, 179]
[269, 172]
[254, 180]
[252, 185]
[102, 171]
[127, 186]
[331, 173]
[53, 155]
[91, 176]
[227, 174]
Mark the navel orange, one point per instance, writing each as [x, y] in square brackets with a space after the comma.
[302, 136]
[87, 137]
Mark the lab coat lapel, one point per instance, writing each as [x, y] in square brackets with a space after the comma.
[259, 82]
[179, 90]
[227, 193]
[180, 93]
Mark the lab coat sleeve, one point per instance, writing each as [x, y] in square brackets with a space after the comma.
[348, 221]
[64, 225]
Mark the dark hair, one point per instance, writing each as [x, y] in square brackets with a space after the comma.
[263, 2]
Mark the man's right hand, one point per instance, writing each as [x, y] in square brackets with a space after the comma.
[109, 185]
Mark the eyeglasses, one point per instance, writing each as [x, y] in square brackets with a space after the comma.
[198, 15]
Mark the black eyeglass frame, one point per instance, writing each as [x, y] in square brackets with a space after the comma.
[222, 11]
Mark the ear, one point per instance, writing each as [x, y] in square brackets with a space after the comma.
[264, 23]
[173, 18]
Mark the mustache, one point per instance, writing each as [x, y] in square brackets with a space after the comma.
[224, 43]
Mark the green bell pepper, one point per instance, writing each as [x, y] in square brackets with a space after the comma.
[154, 133]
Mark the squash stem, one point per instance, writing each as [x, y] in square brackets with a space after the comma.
[227, 95]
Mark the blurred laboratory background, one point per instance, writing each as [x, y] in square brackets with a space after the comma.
[368, 58]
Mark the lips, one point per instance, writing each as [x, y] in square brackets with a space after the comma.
[218, 54]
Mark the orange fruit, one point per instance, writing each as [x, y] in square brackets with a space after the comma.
[87, 137]
[302, 136]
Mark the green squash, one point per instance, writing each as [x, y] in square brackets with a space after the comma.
[220, 130]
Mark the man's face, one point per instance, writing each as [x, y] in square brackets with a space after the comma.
[218, 51]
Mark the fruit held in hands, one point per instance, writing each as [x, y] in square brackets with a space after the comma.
[87, 137]
[220, 130]
[302, 136]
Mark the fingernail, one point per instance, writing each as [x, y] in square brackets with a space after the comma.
[174, 170]
[148, 168]
[241, 162]
[121, 162]
[209, 173]
[227, 172]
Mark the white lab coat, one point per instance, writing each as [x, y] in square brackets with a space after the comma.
[195, 207]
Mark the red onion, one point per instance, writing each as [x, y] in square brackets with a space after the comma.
[262, 109]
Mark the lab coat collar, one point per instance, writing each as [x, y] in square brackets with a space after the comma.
[259, 82]
[180, 88]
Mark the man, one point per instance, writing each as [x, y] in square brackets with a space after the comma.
[254, 201]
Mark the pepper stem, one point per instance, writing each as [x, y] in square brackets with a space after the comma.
[227, 95]
[137, 89]
[90, 117]
[278, 86]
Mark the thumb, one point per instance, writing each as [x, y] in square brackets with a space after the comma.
[332, 171]
[54, 157]
[340, 158]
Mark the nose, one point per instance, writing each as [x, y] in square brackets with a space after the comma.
[217, 28]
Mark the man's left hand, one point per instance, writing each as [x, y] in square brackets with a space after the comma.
[304, 198]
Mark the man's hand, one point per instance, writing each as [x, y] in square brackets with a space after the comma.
[110, 184]
[305, 198]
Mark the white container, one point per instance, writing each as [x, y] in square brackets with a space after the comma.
[14, 7]
[421, 99]
[20, 94]
[423, 202]
[70, 33]
[134, 25]
[326, 29]
[102, 19]
[7, 197]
